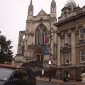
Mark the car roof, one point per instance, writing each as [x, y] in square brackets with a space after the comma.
[8, 66]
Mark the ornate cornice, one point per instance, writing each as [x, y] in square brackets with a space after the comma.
[73, 18]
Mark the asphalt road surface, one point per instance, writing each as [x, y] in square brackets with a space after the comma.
[39, 82]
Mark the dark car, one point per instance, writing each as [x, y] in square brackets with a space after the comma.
[10, 75]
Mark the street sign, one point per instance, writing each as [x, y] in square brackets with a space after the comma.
[42, 72]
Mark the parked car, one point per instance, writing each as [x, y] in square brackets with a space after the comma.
[11, 75]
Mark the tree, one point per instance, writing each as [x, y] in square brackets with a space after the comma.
[6, 55]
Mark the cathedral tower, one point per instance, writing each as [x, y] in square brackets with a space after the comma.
[39, 43]
[53, 9]
[30, 11]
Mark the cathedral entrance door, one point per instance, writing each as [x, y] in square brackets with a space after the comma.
[39, 57]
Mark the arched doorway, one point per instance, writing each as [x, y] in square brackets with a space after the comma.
[38, 54]
[39, 57]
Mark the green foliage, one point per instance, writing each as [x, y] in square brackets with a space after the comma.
[5, 50]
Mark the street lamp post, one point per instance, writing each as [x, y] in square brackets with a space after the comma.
[50, 55]
[0, 48]
[50, 71]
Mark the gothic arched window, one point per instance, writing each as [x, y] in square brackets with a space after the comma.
[40, 35]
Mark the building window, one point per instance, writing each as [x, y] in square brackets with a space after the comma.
[81, 33]
[69, 38]
[67, 59]
[82, 55]
[62, 42]
[66, 38]
[65, 14]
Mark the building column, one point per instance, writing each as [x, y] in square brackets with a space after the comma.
[58, 50]
[73, 42]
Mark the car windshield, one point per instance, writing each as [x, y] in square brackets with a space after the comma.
[5, 73]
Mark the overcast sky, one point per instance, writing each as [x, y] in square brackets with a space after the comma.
[13, 15]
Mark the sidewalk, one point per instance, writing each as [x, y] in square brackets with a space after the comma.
[60, 81]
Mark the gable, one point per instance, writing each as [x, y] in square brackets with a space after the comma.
[41, 13]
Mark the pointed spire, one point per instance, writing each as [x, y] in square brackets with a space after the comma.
[30, 9]
[31, 2]
[52, 0]
[53, 3]
[53, 8]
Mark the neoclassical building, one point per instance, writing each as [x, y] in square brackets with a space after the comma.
[38, 41]
[71, 41]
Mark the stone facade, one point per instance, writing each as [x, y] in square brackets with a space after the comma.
[71, 41]
[38, 41]
[62, 42]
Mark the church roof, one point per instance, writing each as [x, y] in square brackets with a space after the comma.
[41, 13]
[70, 3]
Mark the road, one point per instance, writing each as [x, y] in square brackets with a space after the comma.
[40, 82]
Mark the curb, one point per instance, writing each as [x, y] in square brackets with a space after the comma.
[59, 81]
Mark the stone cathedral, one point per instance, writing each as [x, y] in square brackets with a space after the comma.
[38, 41]
[61, 41]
